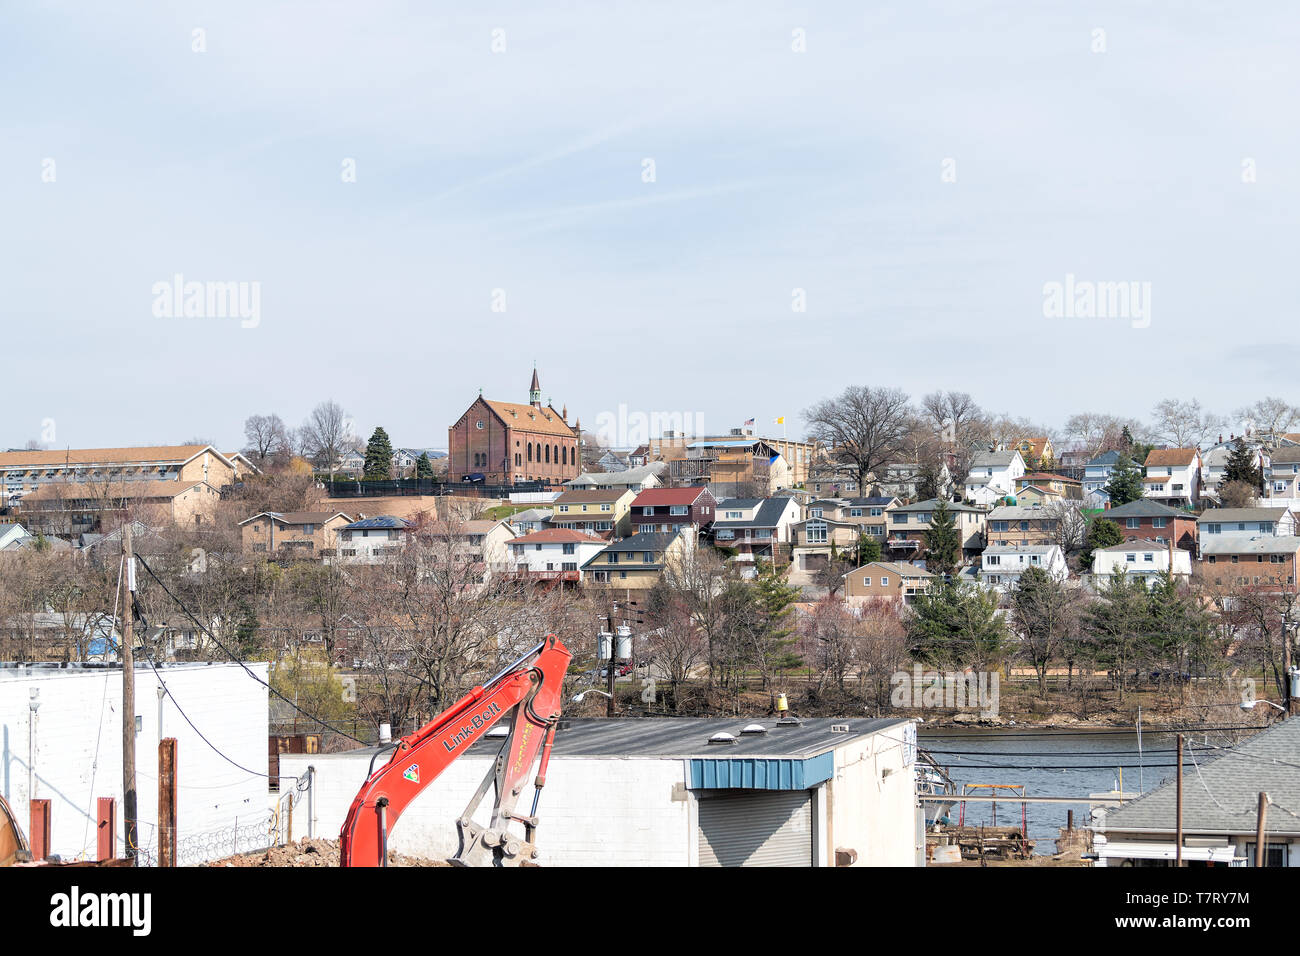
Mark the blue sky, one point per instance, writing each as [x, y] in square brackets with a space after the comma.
[521, 171]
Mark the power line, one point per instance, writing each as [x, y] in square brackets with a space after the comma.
[247, 669]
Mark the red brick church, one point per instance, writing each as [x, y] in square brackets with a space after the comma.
[507, 442]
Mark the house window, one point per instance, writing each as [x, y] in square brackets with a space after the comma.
[900, 519]
[569, 548]
[816, 532]
[679, 509]
[1159, 522]
[1212, 528]
[884, 581]
[1131, 558]
[866, 582]
[647, 510]
[1148, 558]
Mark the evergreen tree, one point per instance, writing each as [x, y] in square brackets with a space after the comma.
[379, 456]
[868, 549]
[942, 542]
[773, 637]
[1241, 466]
[1102, 533]
[1181, 635]
[1125, 483]
[423, 467]
[956, 625]
[1119, 625]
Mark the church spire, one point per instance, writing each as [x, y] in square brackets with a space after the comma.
[535, 391]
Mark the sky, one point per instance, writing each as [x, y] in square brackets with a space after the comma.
[723, 211]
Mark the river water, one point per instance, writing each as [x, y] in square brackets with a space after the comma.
[1060, 763]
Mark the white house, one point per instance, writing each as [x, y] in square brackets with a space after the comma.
[372, 540]
[1141, 559]
[12, 535]
[753, 525]
[1282, 475]
[1002, 564]
[533, 519]
[1173, 476]
[676, 792]
[992, 475]
[553, 554]
[1219, 524]
[72, 716]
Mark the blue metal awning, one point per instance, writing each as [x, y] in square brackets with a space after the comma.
[759, 773]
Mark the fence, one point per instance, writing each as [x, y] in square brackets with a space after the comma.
[357, 488]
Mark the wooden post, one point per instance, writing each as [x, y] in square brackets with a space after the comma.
[1178, 824]
[167, 802]
[106, 829]
[128, 697]
[40, 829]
[1259, 829]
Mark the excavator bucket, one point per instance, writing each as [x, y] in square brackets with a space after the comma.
[13, 844]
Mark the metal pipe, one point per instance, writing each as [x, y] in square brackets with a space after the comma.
[381, 807]
[311, 801]
[33, 705]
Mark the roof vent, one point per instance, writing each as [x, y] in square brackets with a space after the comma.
[789, 722]
[839, 728]
[500, 730]
[754, 729]
[722, 737]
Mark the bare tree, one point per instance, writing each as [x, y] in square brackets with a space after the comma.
[1070, 529]
[268, 438]
[961, 426]
[864, 425]
[1270, 416]
[326, 434]
[1184, 424]
[1097, 432]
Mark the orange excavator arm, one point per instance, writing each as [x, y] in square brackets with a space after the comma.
[530, 691]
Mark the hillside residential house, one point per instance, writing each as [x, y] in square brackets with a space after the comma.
[635, 480]
[1214, 463]
[12, 535]
[993, 475]
[1146, 519]
[1282, 472]
[509, 442]
[1238, 560]
[372, 540]
[602, 511]
[1037, 452]
[637, 563]
[1025, 525]
[305, 534]
[22, 472]
[76, 507]
[833, 478]
[1058, 485]
[1220, 801]
[1173, 476]
[1002, 564]
[1221, 523]
[556, 554]
[885, 581]
[671, 509]
[1145, 560]
[532, 519]
[908, 524]
[755, 528]
[1096, 475]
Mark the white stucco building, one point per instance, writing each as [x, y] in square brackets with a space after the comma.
[656, 792]
[1002, 564]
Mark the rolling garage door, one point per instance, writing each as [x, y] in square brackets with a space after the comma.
[756, 828]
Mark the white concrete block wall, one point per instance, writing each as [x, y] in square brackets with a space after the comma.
[79, 741]
[594, 811]
[872, 812]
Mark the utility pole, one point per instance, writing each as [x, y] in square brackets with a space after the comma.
[611, 710]
[1259, 828]
[1178, 852]
[128, 697]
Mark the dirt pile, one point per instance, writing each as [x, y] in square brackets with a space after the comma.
[312, 853]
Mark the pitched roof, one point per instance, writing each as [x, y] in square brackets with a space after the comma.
[1263, 544]
[1105, 458]
[1047, 476]
[1221, 794]
[767, 514]
[876, 501]
[1022, 548]
[527, 418]
[893, 567]
[152, 455]
[995, 459]
[1287, 455]
[377, 522]
[633, 476]
[298, 517]
[1214, 515]
[1144, 508]
[1171, 456]
[1142, 544]
[645, 541]
[111, 490]
[1022, 513]
[931, 503]
[668, 496]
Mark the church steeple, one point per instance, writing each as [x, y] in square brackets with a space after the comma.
[535, 391]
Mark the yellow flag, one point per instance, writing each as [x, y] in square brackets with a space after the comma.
[781, 420]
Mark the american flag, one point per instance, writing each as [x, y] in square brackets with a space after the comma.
[749, 421]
